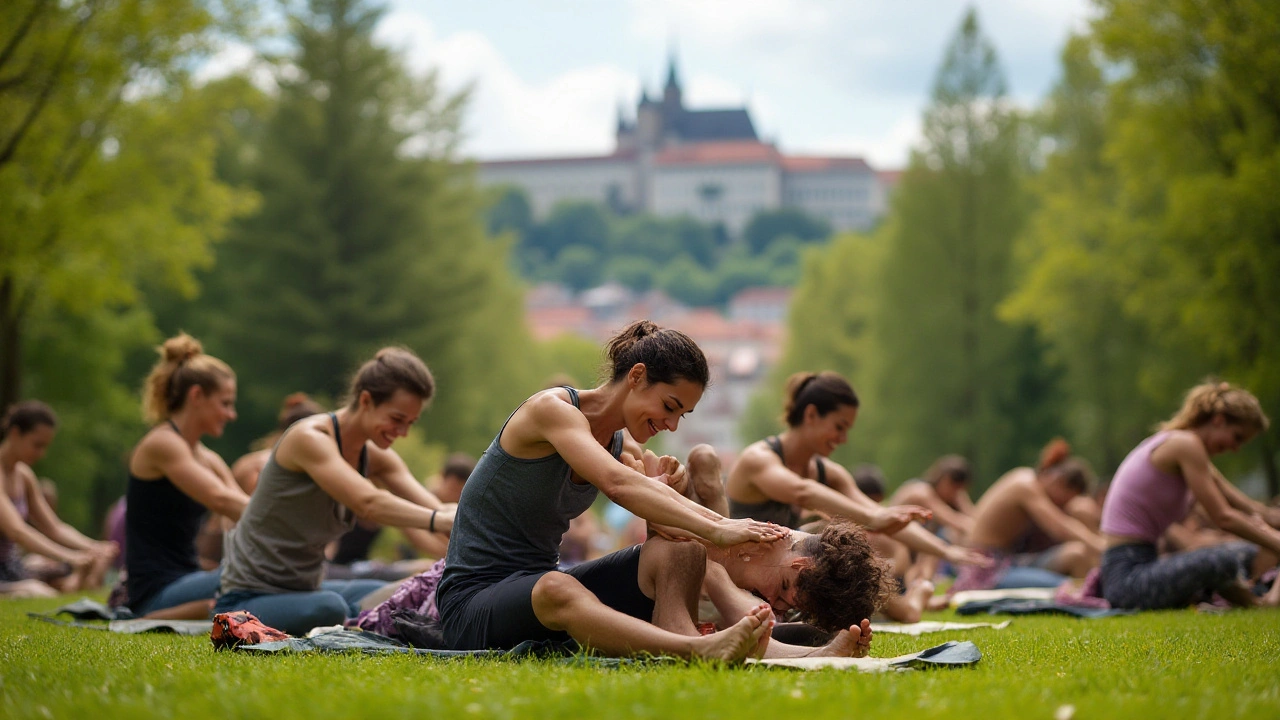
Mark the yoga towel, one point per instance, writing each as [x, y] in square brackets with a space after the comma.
[920, 628]
[86, 609]
[967, 596]
[1012, 606]
[948, 654]
[134, 627]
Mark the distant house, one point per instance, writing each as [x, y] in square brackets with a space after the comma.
[709, 164]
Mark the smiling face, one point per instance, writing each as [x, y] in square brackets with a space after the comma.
[30, 447]
[1221, 435]
[651, 408]
[830, 431]
[211, 411]
[390, 421]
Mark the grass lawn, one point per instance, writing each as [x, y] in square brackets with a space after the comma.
[1164, 665]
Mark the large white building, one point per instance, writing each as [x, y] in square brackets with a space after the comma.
[707, 164]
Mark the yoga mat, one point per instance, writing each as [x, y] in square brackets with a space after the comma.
[929, 626]
[948, 654]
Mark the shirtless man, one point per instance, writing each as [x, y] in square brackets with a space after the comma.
[1022, 505]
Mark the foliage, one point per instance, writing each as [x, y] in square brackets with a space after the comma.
[767, 226]
[107, 182]
[369, 235]
[582, 245]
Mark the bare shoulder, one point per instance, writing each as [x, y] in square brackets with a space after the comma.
[307, 438]
[1182, 445]
[911, 492]
[757, 455]
[251, 462]
[548, 404]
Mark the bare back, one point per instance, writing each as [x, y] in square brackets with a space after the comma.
[1000, 518]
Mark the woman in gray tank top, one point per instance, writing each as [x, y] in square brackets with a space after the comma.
[501, 586]
[781, 476]
[326, 471]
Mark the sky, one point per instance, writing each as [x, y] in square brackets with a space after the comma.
[837, 77]
[819, 76]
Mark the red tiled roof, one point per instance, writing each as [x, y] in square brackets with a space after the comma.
[719, 153]
[809, 163]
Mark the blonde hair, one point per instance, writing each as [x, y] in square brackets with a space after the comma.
[182, 365]
[1210, 398]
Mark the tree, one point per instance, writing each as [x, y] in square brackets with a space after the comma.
[97, 190]
[1195, 137]
[1074, 283]
[572, 223]
[510, 212]
[369, 234]
[952, 371]
[769, 225]
[107, 186]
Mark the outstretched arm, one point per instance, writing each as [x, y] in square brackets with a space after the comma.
[568, 432]
[1059, 525]
[779, 483]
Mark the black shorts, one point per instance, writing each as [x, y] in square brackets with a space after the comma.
[500, 616]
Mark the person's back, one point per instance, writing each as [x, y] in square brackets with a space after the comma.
[1144, 501]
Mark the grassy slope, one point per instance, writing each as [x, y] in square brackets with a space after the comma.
[1161, 664]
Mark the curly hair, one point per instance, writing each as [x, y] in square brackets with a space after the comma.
[847, 581]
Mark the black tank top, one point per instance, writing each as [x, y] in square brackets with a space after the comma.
[774, 511]
[160, 528]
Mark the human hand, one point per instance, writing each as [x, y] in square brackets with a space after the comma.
[105, 549]
[957, 555]
[731, 532]
[668, 469]
[892, 519]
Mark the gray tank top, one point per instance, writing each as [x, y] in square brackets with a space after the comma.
[511, 517]
[774, 511]
[278, 545]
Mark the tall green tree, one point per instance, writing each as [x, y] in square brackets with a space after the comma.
[1074, 280]
[370, 233]
[1195, 138]
[955, 377]
[106, 184]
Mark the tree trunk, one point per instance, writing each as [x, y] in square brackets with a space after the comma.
[10, 350]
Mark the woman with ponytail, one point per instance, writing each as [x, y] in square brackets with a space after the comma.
[783, 476]
[326, 471]
[1158, 483]
[1021, 524]
[545, 466]
[27, 520]
[174, 480]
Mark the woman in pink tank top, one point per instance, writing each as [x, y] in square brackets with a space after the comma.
[1159, 482]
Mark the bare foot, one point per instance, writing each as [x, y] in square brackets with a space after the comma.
[737, 642]
[854, 642]
[919, 593]
[908, 607]
[1272, 598]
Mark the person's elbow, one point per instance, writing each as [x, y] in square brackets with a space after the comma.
[231, 505]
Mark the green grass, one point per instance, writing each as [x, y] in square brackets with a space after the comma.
[1165, 665]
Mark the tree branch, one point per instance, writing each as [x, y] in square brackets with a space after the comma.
[12, 46]
[11, 147]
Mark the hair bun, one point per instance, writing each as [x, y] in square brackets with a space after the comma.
[1055, 452]
[180, 348]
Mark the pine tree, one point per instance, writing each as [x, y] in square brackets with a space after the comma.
[370, 233]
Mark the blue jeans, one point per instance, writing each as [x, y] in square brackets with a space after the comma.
[199, 585]
[296, 613]
[1029, 577]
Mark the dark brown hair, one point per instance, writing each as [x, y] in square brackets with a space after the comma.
[955, 467]
[295, 407]
[847, 583]
[392, 369]
[870, 480]
[26, 416]
[668, 355]
[458, 465]
[182, 366]
[1056, 459]
[825, 390]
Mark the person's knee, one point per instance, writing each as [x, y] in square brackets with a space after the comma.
[324, 609]
[703, 459]
[557, 590]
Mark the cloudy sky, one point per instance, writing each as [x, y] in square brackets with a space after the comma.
[819, 76]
